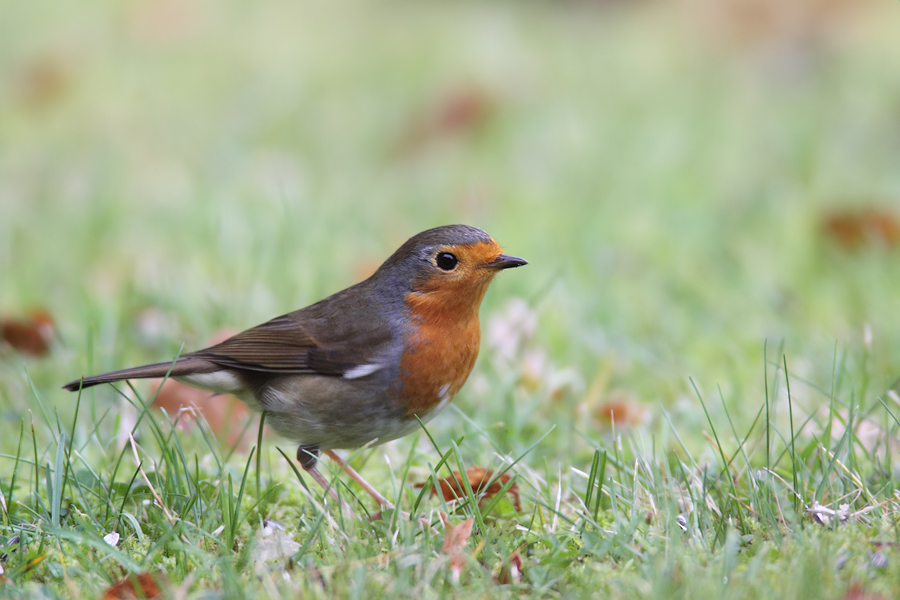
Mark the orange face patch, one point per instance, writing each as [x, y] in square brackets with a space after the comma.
[443, 345]
[470, 275]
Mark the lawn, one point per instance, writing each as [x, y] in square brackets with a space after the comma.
[709, 198]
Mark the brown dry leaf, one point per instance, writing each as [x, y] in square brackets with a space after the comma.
[459, 111]
[453, 488]
[856, 592]
[227, 416]
[455, 540]
[462, 109]
[855, 228]
[621, 410]
[133, 587]
[43, 80]
[31, 335]
[511, 569]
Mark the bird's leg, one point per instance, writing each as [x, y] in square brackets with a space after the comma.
[308, 456]
[381, 500]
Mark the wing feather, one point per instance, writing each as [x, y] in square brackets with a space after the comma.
[283, 345]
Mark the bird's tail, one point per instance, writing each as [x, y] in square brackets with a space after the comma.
[183, 366]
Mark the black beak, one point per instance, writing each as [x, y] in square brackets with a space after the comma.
[504, 261]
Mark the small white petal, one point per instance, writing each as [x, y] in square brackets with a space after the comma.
[111, 538]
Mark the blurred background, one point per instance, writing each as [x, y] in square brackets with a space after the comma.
[689, 180]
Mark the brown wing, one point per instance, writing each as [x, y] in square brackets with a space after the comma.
[283, 345]
[280, 345]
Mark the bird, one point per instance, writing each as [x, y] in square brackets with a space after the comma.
[364, 366]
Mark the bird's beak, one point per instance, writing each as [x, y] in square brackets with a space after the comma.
[504, 261]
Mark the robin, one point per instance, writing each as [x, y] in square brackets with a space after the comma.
[364, 366]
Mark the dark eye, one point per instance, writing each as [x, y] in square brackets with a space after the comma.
[447, 261]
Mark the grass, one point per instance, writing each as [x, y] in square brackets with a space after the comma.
[172, 169]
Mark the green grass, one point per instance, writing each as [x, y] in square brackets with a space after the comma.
[223, 164]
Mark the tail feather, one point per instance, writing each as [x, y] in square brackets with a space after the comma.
[184, 366]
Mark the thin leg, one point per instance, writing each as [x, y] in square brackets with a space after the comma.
[381, 500]
[308, 456]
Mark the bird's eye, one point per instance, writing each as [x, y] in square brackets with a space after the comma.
[447, 261]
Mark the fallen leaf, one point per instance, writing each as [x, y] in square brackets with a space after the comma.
[133, 587]
[453, 487]
[226, 415]
[43, 80]
[455, 540]
[621, 410]
[462, 110]
[855, 228]
[856, 592]
[31, 335]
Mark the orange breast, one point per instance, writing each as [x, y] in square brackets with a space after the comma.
[440, 352]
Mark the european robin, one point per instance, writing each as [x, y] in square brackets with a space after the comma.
[365, 365]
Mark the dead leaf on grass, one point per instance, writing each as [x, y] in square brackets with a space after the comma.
[133, 587]
[30, 335]
[856, 592]
[462, 110]
[621, 410]
[43, 80]
[481, 481]
[856, 228]
[227, 416]
[455, 540]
